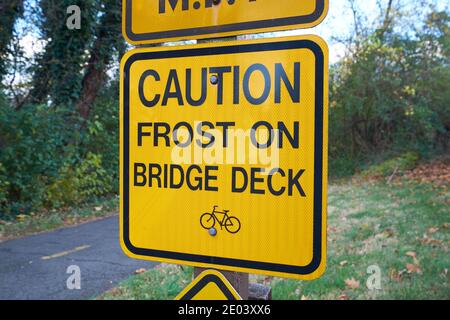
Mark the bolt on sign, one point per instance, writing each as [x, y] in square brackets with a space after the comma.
[209, 285]
[150, 21]
[224, 155]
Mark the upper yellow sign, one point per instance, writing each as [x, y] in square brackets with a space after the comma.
[224, 155]
[152, 21]
[209, 285]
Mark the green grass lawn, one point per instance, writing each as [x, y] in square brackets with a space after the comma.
[402, 228]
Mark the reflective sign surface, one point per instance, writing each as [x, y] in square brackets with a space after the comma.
[209, 285]
[224, 155]
[147, 21]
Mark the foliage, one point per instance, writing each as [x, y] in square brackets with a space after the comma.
[107, 43]
[10, 10]
[406, 161]
[58, 71]
[49, 160]
[4, 184]
[33, 142]
[102, 136]
[392, 95]
[76, 184]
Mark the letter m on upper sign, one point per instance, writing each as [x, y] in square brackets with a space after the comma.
[173, 4]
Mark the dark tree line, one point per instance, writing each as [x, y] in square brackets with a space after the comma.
[10, 11]
[59, 124]
[72, 67]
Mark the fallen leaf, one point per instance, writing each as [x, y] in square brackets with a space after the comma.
[411, 254]
[352, 283]
[21, 217]
[412, 268]
[139, 271]
[389, 233]
[446, 225]
[98, 208]
[396, 276]
[343, 263]
[433, 230]
[304, 298]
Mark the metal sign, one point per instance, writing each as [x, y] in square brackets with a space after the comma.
[224, 155]
[151, 21]
[209, 285]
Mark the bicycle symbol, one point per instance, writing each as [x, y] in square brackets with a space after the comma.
[231, 223]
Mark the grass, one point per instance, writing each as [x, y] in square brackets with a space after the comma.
[164, 282]
[400, 227]
[49, 220]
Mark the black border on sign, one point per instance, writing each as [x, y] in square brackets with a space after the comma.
[318, 155]
[203, 282]
[251, 25]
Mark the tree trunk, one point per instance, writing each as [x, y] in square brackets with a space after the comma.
[93, 80]
[108, 38]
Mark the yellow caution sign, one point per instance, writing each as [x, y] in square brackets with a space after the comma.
[209, 285]
[150, 21]
[224, 155]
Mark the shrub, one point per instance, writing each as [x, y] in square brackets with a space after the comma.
[50, 157]
[391, 96]
[76, 184]
[102, 136]
[406, 161]
[4, 184]
[34, 142]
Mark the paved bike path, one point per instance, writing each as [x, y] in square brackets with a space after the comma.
[35, 267]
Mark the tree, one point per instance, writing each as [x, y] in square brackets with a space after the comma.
[11, 10]
[58, 70]
[108, 40]
[390, 93]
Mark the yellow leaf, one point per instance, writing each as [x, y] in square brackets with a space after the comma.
[21, 217]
